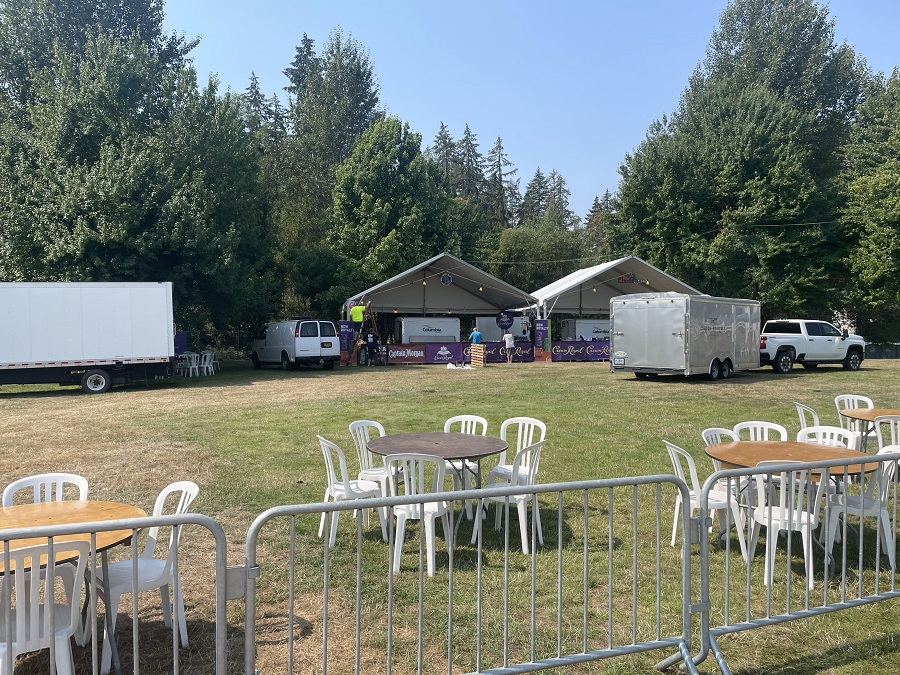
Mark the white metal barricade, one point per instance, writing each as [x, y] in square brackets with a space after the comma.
[217, 573]
[856, 572]
[602, 586]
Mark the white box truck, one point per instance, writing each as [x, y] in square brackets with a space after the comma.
[584, 329]
[415, 329]
[653, 333]
[91, 335]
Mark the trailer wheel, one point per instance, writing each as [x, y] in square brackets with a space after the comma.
[715, 370]
[96, 381]
[726, 369]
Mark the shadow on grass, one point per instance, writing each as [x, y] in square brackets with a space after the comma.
[826, 661]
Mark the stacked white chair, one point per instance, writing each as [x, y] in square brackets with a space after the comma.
[808, 416]
[528, 431]
[361, 431]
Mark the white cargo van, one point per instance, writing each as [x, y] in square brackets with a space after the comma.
[297, 341]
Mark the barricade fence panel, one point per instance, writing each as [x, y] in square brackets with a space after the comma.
[852, 567]
[143, 642]
[605, 583]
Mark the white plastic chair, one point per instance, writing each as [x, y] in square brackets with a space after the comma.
[872, 503]
[467, 424]
[341, 488]
[827, 435]
[719, 499]
[714, 435]
[47, 487]
[528, 431]
[808, 416]
[786, 503]
[760, 431]
[191, 364]
[53, 487]
[31, 604]
[851, 401]
[422, 475]
[207, 366]
[152, 573]
[361, 432]
[524, 472]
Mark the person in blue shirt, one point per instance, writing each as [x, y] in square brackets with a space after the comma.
[475, 336]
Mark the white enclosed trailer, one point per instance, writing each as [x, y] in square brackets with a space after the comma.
[409, 329]
[653, 333]
[88, 334]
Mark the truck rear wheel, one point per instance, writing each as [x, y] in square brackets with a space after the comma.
[715, 370]
[853, 360]
[784, 362]
[96, 381]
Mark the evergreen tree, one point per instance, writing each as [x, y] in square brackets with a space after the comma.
[303, 68]
[470, 181]
[534, 201]
[443, 152]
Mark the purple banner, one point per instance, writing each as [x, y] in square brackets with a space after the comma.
[346, 334]
[581, 351]
[406, 353]
[444, 352]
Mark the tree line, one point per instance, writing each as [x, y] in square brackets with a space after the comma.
[775, 178]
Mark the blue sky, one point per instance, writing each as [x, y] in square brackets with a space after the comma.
[567, 86]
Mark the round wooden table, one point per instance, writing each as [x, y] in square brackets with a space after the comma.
[744, 454]
[71, 512]
[443, 444]
[867, 417]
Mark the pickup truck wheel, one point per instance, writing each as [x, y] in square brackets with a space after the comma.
[726, 369]
[853, 360]
[256, 364]
[96, 381]
[715, 370]
[286, 362]
[784, 362]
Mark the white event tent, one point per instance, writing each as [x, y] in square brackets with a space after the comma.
[588, 291]
[444, 284]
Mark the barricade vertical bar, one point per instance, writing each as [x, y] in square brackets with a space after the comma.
[392, 538]
[534, 517]
[451, 545]
[609, 583]
[326, 566]
[559, 575]
[584, 564]
[658, 546]
[506, 581]
[6, 594]
[634, 557]
[92, 609]
[421, 600]
[479, 590]
[358, 617]
[292, 563]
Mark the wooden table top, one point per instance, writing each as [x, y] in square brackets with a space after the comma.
[446, 445]
[67, 512]
[744, 454]
[868, 414]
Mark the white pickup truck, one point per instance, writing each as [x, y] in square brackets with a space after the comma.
[784, 342]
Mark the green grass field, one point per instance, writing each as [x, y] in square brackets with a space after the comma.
[248, 438]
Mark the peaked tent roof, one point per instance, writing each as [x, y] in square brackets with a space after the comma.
[589, 290]
[444, 284]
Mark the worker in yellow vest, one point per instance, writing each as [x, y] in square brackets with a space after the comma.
[357, 314]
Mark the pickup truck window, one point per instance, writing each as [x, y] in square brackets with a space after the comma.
[830, 331]
[814, 328]
[782, 327]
